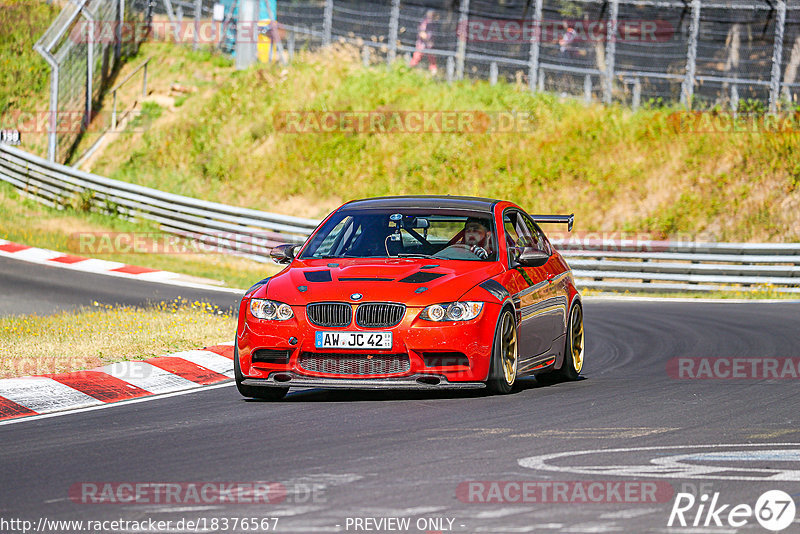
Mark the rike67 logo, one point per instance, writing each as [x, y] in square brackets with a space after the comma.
[774, 510]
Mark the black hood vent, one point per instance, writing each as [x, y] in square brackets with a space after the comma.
[318, 276]
[421, 278]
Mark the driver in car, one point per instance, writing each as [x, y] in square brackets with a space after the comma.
[478, 237]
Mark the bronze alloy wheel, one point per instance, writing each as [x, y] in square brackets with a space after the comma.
[576, 338]
[503, 366]
[508, 348]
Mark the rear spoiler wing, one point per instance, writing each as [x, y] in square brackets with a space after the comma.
[562, 219]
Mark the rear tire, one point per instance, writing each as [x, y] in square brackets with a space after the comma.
[268, 393]
[573, 347]
[503, 369]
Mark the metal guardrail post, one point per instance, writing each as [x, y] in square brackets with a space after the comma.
[493, 73]
[394, 25]
[687, 89]
[777, 56]
[611, 49]
[536, 39]
[461, 51]
[327, 23]
[587, 89]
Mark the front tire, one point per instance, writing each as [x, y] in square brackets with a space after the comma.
[503, 369]
[573, 347]
[268, 393]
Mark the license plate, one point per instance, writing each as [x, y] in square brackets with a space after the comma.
[353, 340]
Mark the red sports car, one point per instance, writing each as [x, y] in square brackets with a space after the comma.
[416, 292]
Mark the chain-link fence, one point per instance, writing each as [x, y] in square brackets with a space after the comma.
[734, 54]
[738, 54]
[84, 48]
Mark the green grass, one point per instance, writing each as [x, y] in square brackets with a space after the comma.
[25, 221]
[618, 170]
[24, 74]
[101, 334]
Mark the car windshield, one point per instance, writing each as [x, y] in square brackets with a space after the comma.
[405, 233]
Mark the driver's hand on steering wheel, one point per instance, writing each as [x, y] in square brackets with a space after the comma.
[479, 251]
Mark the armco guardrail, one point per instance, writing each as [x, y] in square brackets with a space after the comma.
[684, 267]
[242, 231]
[609, 265]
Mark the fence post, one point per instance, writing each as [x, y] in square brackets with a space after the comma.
[172, 19]
[611, 48]
[687, 90]
[52, 135]
[777, 56]
[540, 80]
[394, 25]
[493, 73]
[290, 45]
[536, 38]
[365, 53]
[327, 24]
[451, 69]
[120, 22]
[89, 70]
[198, 12]
[463, 25]
[246, 34]
[735, 100]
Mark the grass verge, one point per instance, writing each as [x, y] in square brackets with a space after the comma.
[96, 336]
[30, 223]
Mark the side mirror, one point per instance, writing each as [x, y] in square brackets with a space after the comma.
[283, 253]
[533, 257]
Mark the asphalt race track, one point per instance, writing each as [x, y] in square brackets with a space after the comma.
[343, 456]
[32, 288]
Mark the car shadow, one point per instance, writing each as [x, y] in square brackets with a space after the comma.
[355, 395]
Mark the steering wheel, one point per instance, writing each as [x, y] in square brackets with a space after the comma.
[479, 251]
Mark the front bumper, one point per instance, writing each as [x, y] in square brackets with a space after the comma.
[413, 382]
[413, 338]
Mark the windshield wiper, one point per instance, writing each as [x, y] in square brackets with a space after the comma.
[413, 256]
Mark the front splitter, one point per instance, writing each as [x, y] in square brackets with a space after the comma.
[423, 382]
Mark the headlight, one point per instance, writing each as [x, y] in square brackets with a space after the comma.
[452, 311]
[271, 310]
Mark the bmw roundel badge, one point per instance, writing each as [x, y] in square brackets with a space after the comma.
[356, 296]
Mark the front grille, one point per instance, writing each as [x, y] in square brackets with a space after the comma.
[379, 315]
[354, 364]
[329, 314]
[271, 356]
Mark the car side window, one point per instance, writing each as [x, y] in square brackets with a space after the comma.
[511, 233]
[538, 240]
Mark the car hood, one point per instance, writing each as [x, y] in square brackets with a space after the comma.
[384, 280]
